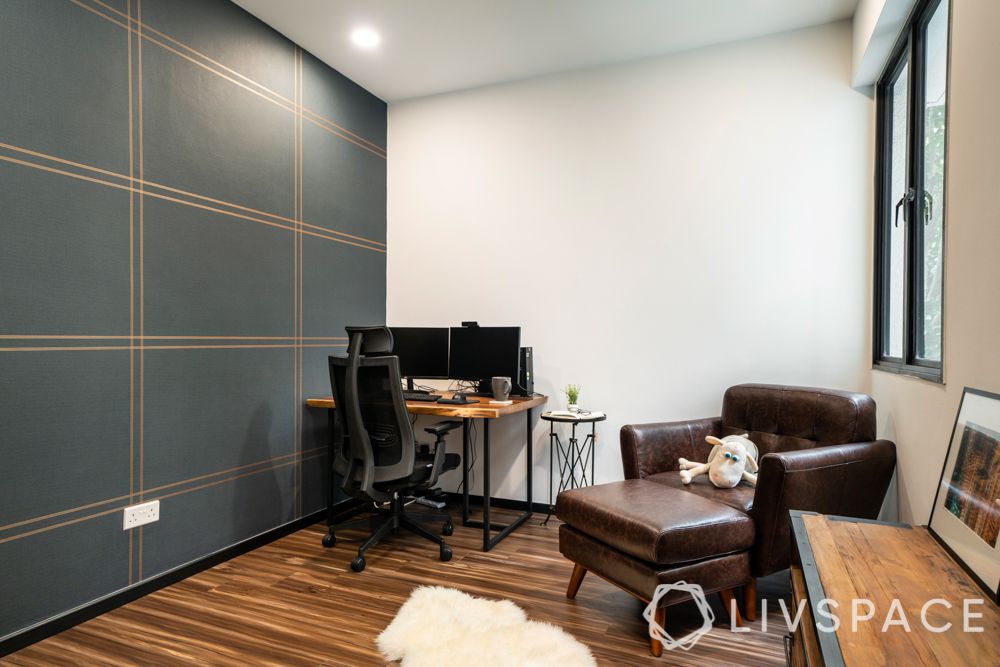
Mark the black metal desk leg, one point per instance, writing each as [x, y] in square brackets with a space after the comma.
[530, 461]
[486, 485]
[466, 453]
[490, 540]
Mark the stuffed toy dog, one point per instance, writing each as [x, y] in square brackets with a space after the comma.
[733, 459]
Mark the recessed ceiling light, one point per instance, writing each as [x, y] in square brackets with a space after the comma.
[365, 38]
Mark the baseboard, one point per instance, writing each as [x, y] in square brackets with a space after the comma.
[66, 620]
[455, 501]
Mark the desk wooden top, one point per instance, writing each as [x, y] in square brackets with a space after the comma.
[481, 410]
[881, 562]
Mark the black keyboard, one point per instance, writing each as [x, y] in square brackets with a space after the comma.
[421, 396]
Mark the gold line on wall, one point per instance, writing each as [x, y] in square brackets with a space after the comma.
[87, 337]
[174, 199]
[321, 120]
[62, 337]
[295, 251]
[228, 470]
[140, 347]
[96, 348]
[136, 181]
[36, 519]
[162, 497]
[334, 132]
[142, 283]
[300, 244]
[60, 525]
[98, 503]
[131, 292]
[334, 231]
[345, 134]
[192, 50]
[231, 479]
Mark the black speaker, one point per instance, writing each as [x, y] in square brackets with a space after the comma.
[525, 385]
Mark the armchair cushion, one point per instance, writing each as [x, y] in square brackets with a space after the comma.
[739, 497]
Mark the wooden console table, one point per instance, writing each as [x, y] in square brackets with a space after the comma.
[842, 559]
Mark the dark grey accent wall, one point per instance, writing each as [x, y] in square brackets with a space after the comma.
[191, 210]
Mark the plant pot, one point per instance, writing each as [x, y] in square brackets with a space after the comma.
[573, 407]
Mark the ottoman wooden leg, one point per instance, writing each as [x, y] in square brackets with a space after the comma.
[575, 580]
[732, 609]
[655, 647]
[750, 599]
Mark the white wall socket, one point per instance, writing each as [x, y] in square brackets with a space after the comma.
[140, 515]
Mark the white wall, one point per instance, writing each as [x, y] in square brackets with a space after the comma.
[919, 415]
[661, 229]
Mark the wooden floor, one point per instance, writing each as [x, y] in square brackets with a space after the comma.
[295, 603]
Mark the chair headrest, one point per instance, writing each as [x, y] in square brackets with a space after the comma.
[374, 340]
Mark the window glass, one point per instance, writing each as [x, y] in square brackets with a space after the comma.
[896, 233]
[935, 89]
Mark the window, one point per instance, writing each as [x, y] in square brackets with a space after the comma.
[909, 207]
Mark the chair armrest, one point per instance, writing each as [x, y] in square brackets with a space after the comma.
[441, 428]
[651, 448]
[847, 480]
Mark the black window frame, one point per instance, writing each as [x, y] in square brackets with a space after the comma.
[909, 50]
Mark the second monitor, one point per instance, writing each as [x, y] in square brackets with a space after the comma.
[422, 351]
[480, 353]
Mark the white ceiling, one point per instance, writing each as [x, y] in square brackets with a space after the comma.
[436, 46]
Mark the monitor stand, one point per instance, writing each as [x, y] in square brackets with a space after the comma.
[411, 388]
[485, 388]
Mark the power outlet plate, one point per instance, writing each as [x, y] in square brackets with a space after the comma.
[140, 515]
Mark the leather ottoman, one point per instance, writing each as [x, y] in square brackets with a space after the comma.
[639, 534]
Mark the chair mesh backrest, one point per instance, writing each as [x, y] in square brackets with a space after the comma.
[377, 410]
[380, 439]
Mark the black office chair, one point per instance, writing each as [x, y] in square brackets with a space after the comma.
[374, 448]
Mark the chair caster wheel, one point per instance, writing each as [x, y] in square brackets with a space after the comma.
[329, 540]
[445, 553]
[447, 529]
[358, 564]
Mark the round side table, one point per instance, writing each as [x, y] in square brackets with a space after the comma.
[573, 458]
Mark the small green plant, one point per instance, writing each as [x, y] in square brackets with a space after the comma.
[572, 393]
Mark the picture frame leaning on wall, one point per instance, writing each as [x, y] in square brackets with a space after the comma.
[965, 517]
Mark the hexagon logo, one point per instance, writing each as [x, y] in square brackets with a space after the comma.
[657, 632]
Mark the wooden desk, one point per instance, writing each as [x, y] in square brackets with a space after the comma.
[482, 410]
[844, 559]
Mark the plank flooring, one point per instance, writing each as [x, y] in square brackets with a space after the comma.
[293, 602]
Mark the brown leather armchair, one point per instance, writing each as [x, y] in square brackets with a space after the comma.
[818, 453]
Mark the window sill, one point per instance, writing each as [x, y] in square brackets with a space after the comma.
[935, 375]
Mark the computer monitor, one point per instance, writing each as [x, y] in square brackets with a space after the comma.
[422, 351]
[480, 353]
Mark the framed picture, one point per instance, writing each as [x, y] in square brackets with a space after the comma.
[966, 513]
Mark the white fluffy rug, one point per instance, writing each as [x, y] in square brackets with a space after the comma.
[440, 627]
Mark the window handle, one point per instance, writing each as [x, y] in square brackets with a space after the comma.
[928, 208]
[908, 197]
